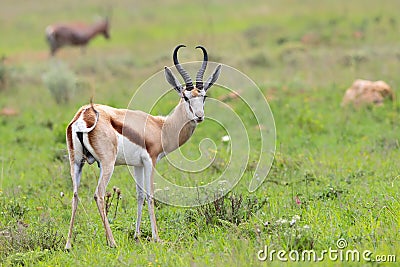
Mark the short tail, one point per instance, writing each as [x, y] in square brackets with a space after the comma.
[95, 112]
[87, 122]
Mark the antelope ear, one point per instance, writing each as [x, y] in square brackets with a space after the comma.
[172, 80]
[213, 78]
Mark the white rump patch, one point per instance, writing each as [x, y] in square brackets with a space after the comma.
[80, 124]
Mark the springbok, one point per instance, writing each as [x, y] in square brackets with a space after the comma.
[75, 34]
[111, 136]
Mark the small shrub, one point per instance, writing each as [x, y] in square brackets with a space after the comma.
[61, 82]
[19, 239]
[292, 234]
[109, 198]
[330, 193]
[14, 208]
[230, 208]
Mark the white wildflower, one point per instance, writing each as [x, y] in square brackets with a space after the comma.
[281, 221]
[226, 138]
[296, 217]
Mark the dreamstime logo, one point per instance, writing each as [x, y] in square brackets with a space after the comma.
[341, 243]
[238, 131]
[340, 253]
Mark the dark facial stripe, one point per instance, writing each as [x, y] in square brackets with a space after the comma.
[190, 108]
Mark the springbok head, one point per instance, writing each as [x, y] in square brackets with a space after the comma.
[193, 95]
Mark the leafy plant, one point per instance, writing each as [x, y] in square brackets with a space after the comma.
[61, 82]
[19, 238]
[15, 208]
[230, 208]
[109, 198]
[292, 234]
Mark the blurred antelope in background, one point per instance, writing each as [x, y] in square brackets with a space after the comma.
[75, 34]
[111, 136]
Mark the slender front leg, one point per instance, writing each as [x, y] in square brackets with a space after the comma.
[76, 172]
[148, 171]
[105, 175]
[139, 177]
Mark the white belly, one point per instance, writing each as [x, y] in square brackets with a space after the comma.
[129, 153]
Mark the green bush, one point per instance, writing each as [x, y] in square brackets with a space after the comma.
[230, 208]
[61, 82]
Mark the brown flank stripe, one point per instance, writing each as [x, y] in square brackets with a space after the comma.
[129, 133]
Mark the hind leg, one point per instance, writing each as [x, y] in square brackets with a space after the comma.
[76, 172]
[106, 172]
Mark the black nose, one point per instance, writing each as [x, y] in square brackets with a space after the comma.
[199, 119]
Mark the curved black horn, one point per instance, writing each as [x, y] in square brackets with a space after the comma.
[182, 72]
[200, 73]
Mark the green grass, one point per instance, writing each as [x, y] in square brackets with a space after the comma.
[336, 168]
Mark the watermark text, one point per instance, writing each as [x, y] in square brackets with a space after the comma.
[340, 253]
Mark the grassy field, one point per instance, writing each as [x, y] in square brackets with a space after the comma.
[335, 174]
